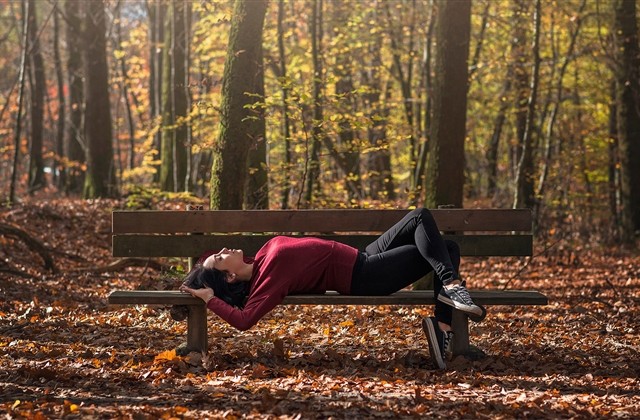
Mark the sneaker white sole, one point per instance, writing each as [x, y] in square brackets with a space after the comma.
[434, 348]
[476, 310]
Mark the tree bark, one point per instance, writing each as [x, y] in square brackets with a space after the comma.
[524, 193]
[238, 128]
[445, 176]
[559, 88]
[173, 171]
[74, 139]
[627, 73]
[59, 169]
[21, 82]
[313, 163]
[36, 65]
[100, 179]
[285, 124]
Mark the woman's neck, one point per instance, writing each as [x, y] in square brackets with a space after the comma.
[245, 272]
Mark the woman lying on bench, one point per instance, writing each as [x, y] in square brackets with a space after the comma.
[242, 290]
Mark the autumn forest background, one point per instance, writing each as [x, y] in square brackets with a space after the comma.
[293, 104]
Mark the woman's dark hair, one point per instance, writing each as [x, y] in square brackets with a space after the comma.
[235, 294]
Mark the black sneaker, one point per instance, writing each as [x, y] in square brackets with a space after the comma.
[439, 342]
[458, 297]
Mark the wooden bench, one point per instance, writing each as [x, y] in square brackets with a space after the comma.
[478, 232]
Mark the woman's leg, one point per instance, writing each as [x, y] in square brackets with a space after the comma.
[389, 271]
[418, 228]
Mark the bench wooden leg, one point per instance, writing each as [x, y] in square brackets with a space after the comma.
[460, 345]
[460, 327]
[196, 330]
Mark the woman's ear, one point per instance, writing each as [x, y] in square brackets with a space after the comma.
[231, 277]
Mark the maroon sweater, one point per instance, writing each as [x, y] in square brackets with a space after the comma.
[286, 266]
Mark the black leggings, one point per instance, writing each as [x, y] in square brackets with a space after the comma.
[406, 252]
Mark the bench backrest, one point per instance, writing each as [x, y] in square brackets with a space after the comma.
[479, 232]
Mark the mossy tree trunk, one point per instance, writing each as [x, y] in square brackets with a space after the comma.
[100, 177]
[241, 123]
[445, 168]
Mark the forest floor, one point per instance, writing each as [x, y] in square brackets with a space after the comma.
[65, 353]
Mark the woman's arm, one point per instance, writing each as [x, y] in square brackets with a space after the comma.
[258, 305]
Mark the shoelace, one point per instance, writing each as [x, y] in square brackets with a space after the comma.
[446, 341]
[464, 294]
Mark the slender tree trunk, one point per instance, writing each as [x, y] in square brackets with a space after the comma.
[445, 176]
[285, 125]
[21, 82]
[614, 165]
[559, 88]
[36, 163]
[173, 172]
[125, 94]
[344, 88]
[381, 185]
[313, 172]
[521, 79]
[404, 75]
[157, 46]
[74, 137]
[524, 193]
[239, 108]
[100, 179]
[421, 161]
[59, 170]
[627, 73]
[74, 140]
[475, 61]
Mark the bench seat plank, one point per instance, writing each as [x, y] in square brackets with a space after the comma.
[404, 297]
[195, 245]
[353, 220]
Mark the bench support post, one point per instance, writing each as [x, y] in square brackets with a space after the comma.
[460, 327]
[196, 330]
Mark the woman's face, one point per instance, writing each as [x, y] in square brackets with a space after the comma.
[227, 260]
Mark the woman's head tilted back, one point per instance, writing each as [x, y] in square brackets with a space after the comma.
[234, 294]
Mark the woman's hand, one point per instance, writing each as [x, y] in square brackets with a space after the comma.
[206, 294]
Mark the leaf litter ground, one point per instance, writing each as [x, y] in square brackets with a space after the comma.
[65, 353]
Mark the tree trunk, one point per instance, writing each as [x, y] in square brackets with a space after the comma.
[524, 193]
[521, 79]
[238, 128]
[36, 65]
[257, 189]
[313, 163]
[173, 170]
[157, 11]
[559, 88]
[344, 87]
[122, 64]
[285, 125]
[100, 179]
[59, 169]
[627, 74]
[421, 161]
[613, 166]
[404, 75]
[21, 82]
[74, 139]
[445, 180]
[381, 185]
